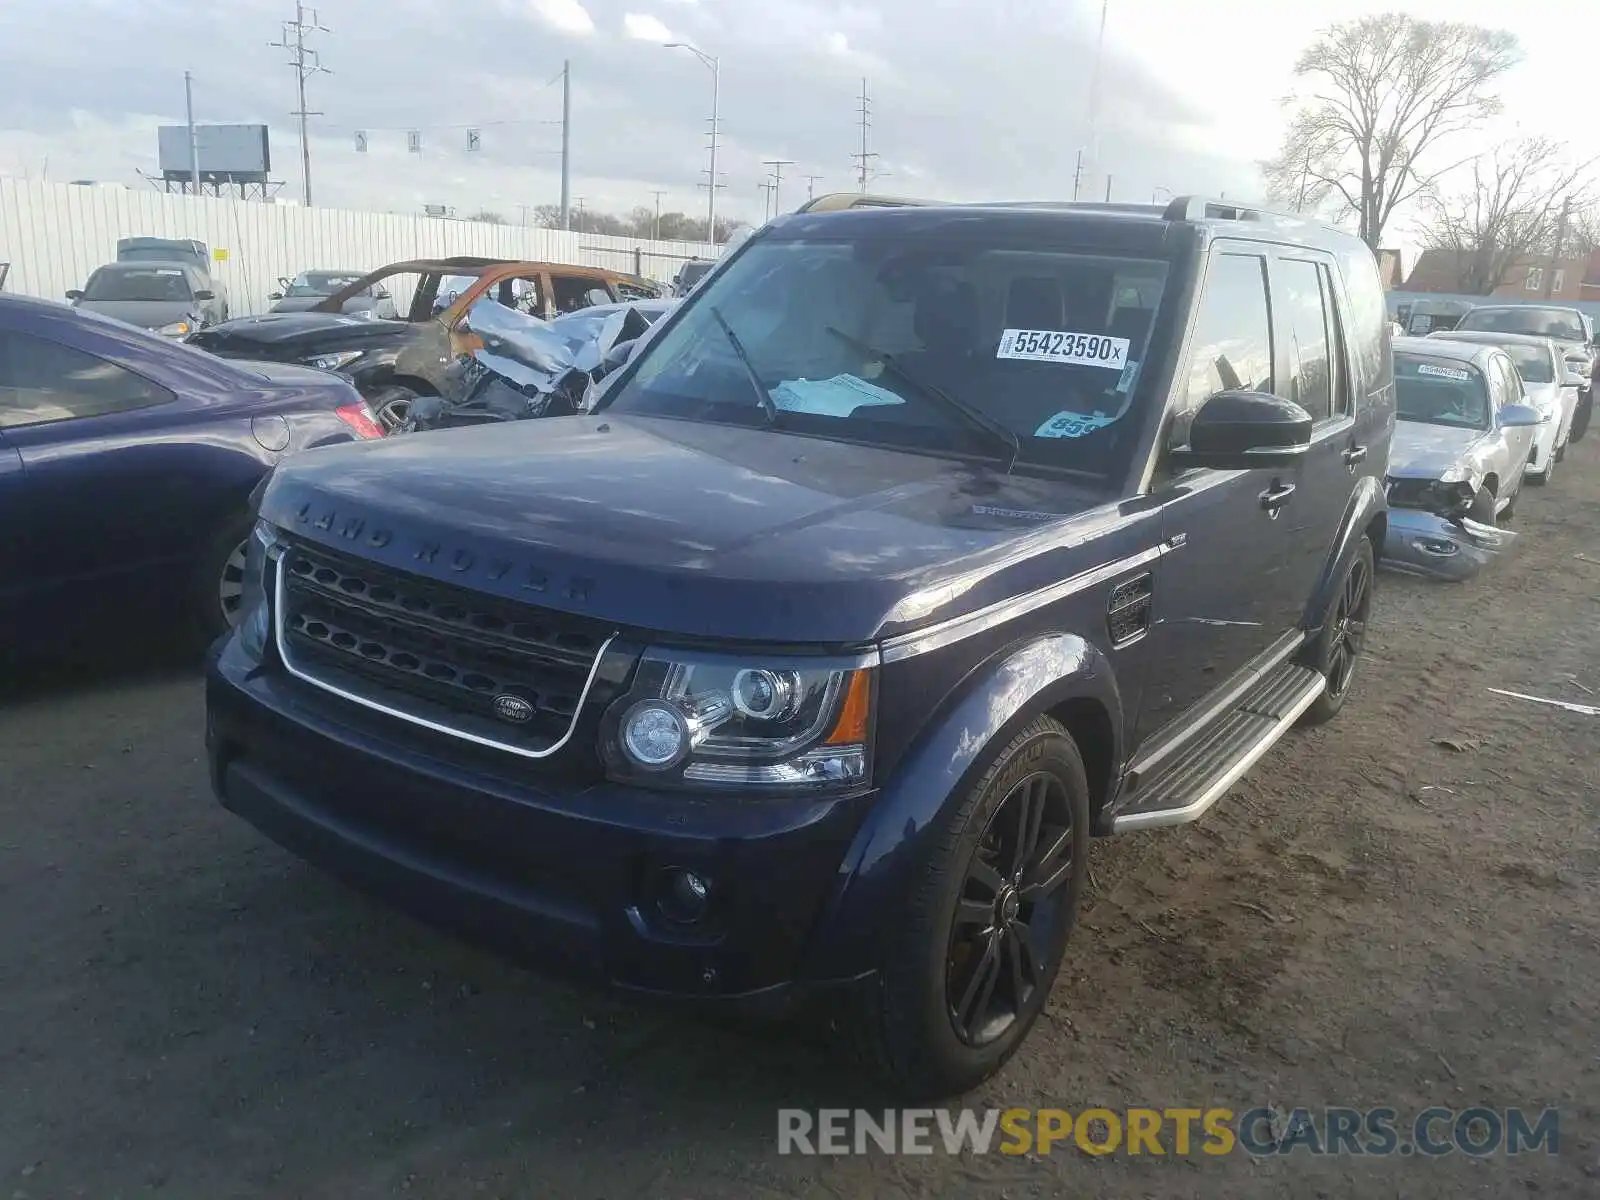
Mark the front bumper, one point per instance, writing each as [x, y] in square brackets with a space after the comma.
[560, 878]
[1422, 543]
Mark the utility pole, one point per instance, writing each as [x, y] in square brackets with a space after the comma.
[768, 187]
[1555, 250]
[777, 165]
[566, 144]
[306, 63]
[655, 230]
[1077, 177]
[580, 214]
[714, 65]
[194, 138]
[1094, 92]
[811, 186]
[1108, 187]
[864, 170]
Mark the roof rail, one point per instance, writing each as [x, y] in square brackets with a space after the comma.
[1198, 208]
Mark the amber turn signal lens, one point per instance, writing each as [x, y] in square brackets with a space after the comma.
[851, 727]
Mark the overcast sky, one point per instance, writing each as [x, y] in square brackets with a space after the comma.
[968, 100]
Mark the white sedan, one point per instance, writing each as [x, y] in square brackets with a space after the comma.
[1552, 388]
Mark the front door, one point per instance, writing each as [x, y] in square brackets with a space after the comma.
[1223, 587]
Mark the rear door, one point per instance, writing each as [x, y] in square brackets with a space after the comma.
[1221, 592]
[1309, 309]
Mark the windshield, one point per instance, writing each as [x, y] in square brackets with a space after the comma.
[1533, 363]
[318, 283]
[1559, 323]
[168, 253]
[855, 341]
[152, 283]
[1439, 391]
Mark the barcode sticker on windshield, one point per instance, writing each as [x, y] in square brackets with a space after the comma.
[1071, 349]
[1443, 372]
[1072, 425]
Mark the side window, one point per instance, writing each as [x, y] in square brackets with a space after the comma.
[41, 381]
[572, 292]
[1302, 315]
[1232, 347]
[1507, 389]
[1339, 359]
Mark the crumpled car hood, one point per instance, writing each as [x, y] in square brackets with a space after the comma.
[1423, 451]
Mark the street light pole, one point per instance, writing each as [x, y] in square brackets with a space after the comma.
[194, 140]
[711, 62]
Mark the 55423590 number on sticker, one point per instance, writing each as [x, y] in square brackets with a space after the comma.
[1058, 346]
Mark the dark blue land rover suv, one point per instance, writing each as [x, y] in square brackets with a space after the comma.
[916, 547]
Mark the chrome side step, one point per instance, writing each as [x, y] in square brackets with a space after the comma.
[1217, 759]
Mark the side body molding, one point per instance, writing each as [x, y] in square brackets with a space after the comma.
[935, 774]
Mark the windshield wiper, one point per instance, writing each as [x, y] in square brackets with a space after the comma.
[768, 404]
[975, 416]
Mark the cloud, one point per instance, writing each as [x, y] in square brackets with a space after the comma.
[952, 116]
[567, 16]
[646, 28]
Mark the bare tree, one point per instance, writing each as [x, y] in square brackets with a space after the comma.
[1511, 212]
[1583, 227]
[1378, 94]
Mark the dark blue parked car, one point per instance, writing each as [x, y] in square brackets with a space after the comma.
[912, 549]
[127, 461]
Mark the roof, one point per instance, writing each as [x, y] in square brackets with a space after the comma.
[1491, 338]
[1132, 226]
[1468, 352]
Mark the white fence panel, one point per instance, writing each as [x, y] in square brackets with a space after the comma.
[55, 234]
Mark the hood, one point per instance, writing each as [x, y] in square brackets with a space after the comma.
[147, 314]
[1423, 451]
[292, 335]
[695, 529]
[298, 304]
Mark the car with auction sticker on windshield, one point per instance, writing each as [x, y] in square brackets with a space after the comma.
[914, 548]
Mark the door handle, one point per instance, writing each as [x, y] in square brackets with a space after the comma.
[1354, 455]
[1275, 497]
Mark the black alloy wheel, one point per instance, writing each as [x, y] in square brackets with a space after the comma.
[992, 898]
[1009, 907]
[1350, 626]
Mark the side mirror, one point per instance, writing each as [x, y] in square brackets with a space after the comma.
[205, 294]
[381, 293]
[275, 296]
[1520, 416]
[75, 294]
[1239, 430]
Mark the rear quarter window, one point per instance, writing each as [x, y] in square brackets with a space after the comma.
[1367, 322]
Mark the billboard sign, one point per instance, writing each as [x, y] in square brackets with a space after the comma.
[231, 153]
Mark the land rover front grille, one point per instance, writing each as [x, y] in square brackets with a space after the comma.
[458, 661]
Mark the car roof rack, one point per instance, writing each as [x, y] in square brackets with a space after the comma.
[1200, 208]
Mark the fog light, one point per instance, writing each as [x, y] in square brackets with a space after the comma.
[685, 896]
[655, 735]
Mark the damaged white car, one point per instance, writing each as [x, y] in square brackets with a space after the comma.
[1550, 384]
[1461, 448]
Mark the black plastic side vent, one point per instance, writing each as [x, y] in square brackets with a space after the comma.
[1129, 609]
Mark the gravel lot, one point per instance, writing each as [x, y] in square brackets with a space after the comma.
[1373, 917]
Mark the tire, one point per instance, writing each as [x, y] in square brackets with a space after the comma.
[1482, 510]
[1337, 649]
[1580, 418]
[946, 966]
[218, 578]
[391, 404]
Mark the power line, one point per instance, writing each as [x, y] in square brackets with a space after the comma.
[306, 63]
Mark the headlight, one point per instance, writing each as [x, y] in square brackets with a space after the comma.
[255, 608]
[178, 329]
[332, 362]
[693, 720]
[1460, 473]
[1454, 499]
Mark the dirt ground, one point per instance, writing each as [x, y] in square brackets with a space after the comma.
[1372, 918]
